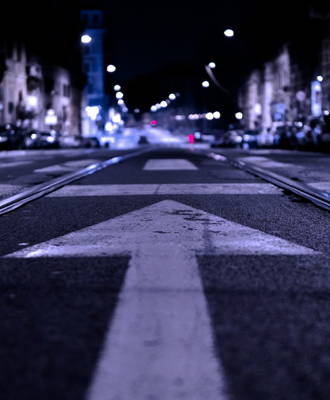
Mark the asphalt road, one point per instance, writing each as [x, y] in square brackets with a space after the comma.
[169, 276]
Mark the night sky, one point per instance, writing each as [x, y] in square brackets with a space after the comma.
[162, 47]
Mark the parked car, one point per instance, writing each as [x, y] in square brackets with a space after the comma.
[250, 139]
[40, 140]
[231, 138]
[70, 141]
[11, 137]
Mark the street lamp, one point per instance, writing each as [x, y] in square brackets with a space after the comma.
[172, 96]
[111, 68]
[239, 116]
[217, 115]
[86, 39]
[117, 88]
[212, 65]
[205, 84]
[121, 102]
[320, 78]
[163, 104]
[229, 33]
[119, 95]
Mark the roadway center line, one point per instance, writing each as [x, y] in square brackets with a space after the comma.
[169, 164]
[167, 189]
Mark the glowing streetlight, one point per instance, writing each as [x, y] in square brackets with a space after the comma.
[121, 102]
[119, 95]
[229, 33]
[209, 116]
[172, 96]
[206, 84]
[320, 78]
[212, 65]
[154, 108]
[239, 116]
[111, 68]
[86, 39]
[117, 88]
[217, 115]
[163, 104]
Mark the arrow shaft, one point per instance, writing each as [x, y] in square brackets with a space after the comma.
[160, 342]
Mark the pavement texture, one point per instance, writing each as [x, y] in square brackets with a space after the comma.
[268, 313]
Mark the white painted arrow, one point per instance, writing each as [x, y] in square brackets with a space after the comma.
[159, 345]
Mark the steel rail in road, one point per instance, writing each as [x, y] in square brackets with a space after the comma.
[317, 197]
[14, 202]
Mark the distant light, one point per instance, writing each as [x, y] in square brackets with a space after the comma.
[121, 102]
[153, 122]
[320, 78]
[117, 88]
[163, 104]
[217, 115]
[137, 110]
[209, 116]
[180, 117]
[212, 65]
[86, 39]
[116, 118]
[206, 84]
[172, 96]
[119, 95]
[193, 117]
[198, 135]
[92, 112]
[154, 108]
[239, 116]
[229, 33]
[258, 109]
[111, 68]
[326, 112]
[191, 138]
[32, 101]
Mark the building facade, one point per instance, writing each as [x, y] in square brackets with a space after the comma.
[286, 91]
[36, 96]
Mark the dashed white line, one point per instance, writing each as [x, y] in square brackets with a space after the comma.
[170, 164]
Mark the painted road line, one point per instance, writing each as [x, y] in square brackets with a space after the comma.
[8, 190]
[167, 189]
[170, 164]
[269, 163]
[14, 164]
[315, 196]
[67, 166]
[160, 344]
[19, 200]
[323, 186]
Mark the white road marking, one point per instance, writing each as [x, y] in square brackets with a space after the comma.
[167, 189]
[14, 164]
[57, 168]
[7, 190]
[268, 163]
[324, 186]
[170, 164]
[68, 166]
[159, 344]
